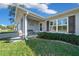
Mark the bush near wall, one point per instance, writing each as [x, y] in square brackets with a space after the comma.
[71, 38]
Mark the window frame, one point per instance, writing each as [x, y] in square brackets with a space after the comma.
[57, 25]
[62, 24]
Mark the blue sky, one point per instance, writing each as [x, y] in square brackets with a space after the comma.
[40, 9]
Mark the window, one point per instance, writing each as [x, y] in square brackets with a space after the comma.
[62, 28]
[51, 23]
[54, 28]
[59, 25]
[62, 25]
[62, 21]
[40, 26]
[54, 22]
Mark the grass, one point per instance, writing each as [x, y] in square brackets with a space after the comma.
[15, 49]
[53, 47]
[38, 47]
[6, 31]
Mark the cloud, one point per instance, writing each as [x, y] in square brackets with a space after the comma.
[41, 7]
[3, 6]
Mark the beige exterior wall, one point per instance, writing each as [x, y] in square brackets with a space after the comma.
[33, 25]
[43, 26]
[19, 16]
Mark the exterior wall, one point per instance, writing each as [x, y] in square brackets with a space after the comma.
[77, 24]
[33, 25]
[73, 24]
[43, 26]
[19, 16]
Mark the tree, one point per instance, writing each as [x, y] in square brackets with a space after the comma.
[2, 27]
[11, 27]
[12, 10]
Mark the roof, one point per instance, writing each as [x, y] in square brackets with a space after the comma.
[29, 12]
[42, 18]
[66, 12]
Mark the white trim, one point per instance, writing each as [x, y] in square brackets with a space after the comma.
[63, 25]
[25, 26]
[67, 25]
[57, 31]
[57, 25]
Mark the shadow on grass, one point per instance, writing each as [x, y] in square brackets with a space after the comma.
[36, 48]
[5, 40]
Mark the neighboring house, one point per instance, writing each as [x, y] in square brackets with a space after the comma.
[30, 23]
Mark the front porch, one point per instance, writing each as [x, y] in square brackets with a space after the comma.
[27, 23]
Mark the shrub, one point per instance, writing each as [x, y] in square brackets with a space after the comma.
[71, 38]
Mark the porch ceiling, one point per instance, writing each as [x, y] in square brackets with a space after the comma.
[32, 17]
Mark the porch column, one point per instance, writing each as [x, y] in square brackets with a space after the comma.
[56, 25]
[25, 26]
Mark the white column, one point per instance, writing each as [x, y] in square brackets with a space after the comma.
[56, 25]
[25, 26]
[67, 25]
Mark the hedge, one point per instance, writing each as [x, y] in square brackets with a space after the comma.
[71, 38]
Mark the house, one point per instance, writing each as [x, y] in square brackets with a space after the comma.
[66, 22]
[30, 23]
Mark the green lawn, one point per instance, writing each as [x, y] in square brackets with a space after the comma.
[38, 47]
[14, 49]
[6, 31]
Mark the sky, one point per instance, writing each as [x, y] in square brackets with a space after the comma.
[42, 9]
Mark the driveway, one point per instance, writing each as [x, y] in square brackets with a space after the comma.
[8, 35]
